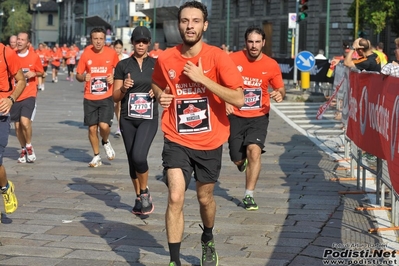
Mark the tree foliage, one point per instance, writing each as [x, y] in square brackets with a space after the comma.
[376, 14]
[17, 21]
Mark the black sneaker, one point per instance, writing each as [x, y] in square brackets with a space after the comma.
[209, 255]
[243, 166]
[146, 204]
[249, 203]
[137, 206]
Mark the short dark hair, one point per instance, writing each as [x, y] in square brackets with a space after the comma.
[194, 4]
[118, 42]
[96, 30]
[255, 29]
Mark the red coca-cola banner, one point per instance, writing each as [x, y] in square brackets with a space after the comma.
[373, 117]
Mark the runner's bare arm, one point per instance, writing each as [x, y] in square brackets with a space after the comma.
[196, 74]
[83, 77]
[278, 94]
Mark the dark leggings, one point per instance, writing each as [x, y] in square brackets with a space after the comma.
[137, 137]
[70, 69]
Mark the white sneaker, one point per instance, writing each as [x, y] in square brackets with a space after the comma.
[96, 161]
[118, 133]
[109, 151]
[30, 154]
[56, 79]
[22, 156]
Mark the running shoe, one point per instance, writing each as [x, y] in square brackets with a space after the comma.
[67, 78]
[56, 79]
[22, 156]
[109, 151]
[243, 166]
[9, 198]
[118, 133]
[146, 204]
[209, 255]
[30, 154]
[96, 161]
[137, 206]
[172, 263]
[249, 203]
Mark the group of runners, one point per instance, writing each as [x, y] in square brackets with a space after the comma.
[208, 98]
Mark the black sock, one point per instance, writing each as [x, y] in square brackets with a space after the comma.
[174, 251]
[104, 142]
[96, 154]
[207, 235]
[145, 191]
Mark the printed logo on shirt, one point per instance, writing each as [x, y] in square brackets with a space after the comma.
[240, 68]
[89, 62]
[172, 73]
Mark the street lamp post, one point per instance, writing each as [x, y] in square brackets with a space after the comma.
[12, 24]
[38, 5]
[59, 20]
[1, 22]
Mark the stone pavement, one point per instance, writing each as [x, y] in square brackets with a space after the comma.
[70, 214]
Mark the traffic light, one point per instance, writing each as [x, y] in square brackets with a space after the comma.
[302, 10]
[289, 35]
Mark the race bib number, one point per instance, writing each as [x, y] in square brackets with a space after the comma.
[72, 61]
[192, 116]
[140, 105]
[252, 99]
[98, 85]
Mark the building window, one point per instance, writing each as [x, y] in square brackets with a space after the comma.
[303, 35]
[252, 8]
[236, 38]
[283, 38]
[224, 8]
[50, 20]
[267, 8]
[237, 9]
[322, 36]
[284, 7]
[323, 5]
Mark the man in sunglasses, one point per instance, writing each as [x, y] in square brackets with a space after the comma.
[96, 68]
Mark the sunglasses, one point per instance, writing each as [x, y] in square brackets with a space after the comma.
[142, 41]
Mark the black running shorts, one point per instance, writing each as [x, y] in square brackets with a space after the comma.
[98, 111]
[23, 108]
[245, 131]
[205, 164]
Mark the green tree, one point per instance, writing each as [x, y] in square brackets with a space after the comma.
[17, 21]
[375, 13]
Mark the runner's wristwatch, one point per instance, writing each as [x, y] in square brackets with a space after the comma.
[12, 99]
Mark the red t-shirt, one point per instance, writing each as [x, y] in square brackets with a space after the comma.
[56, 58]
[99, 66]
[71, 57]
[155, 54]
[257, 76]
[197, 117]
[30, 62]
[13, 67]
[44, 56]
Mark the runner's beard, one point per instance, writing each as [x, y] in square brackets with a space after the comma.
[251, 55]
[190, 42]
